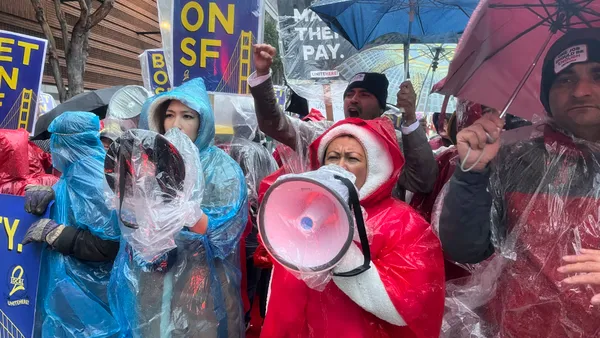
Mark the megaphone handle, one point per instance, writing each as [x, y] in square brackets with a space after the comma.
[362, 231]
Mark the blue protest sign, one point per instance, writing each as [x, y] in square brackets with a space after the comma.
[154, 71]
[19, 269]
[45, 103]
[212, 40]
[22, 60]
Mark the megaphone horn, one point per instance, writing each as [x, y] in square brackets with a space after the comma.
[307, 225]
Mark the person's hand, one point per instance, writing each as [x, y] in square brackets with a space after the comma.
[407, 99]
[263, 58]
[44, 230]
[37, 198]
[483, 149]
[201, 227]
[587, 267]
[423, 123]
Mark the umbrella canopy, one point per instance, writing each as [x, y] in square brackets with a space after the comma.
[496, 61]
[94, 101]
[395, 21]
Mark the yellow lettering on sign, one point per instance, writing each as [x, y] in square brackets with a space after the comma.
[205, 53]
[184, 16]
[158, 61]
[214, 13]
[187, 50]
[28, 47]
[11, 80]
[1, 97]
[159, 90]
[5, 49]
[16, 279]
[11, 230]
[161, 78]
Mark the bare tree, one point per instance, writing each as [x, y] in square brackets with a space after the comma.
[75, 46]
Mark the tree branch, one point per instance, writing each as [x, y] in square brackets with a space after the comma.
[63, 25]
[85, 10]
[101, 12]
[52, 53]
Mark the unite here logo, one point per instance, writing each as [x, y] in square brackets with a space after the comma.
[570, 56]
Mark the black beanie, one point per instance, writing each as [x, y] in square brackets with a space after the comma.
[375, 83]
[577, 45]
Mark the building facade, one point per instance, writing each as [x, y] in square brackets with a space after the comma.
[115, 43]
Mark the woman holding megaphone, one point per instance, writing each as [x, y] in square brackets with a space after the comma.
[401, 292]
[183, 207]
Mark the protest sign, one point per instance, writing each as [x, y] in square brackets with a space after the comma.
[19, 269]
[22, 60]
[154, 71]
[311, 50]
[212, 40]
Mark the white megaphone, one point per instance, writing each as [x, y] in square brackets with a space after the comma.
[127, 102]
[306, 221]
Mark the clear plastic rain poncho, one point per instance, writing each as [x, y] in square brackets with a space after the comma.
[225, 203]
[162, 284]
[72, 298]
[545, 206]
[254, 159]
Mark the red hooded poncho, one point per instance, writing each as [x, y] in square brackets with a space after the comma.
[21, 163]
[404, 250]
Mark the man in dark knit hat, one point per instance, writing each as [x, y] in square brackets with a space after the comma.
[366, 98]
[532, 209]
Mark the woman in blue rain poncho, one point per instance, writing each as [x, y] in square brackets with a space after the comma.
[82, 236]
[192, 287]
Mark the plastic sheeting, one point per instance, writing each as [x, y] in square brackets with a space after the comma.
[466, 114]
[21, 163]
[170, 295]
[545, 206]
[405, 252]
[72, 298]
[256, 163]
[162, 192]
[205, 268]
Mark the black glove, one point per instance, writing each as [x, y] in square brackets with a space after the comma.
[37, 198]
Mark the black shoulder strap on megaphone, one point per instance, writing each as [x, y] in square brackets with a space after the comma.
[362, 231]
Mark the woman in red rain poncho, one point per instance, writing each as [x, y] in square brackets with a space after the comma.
[22, 163]
[402, 294]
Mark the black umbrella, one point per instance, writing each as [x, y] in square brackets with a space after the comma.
[95, 102]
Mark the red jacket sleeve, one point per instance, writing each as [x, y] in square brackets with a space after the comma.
[409, 259]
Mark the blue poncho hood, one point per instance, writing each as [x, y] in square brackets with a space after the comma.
[72, 298]
[194, 95]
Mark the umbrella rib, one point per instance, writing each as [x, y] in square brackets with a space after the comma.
[454, 5]
[497, 51]
[372, 30]
[545, 9]
[587, 10]
[420, 24]
[498, 6]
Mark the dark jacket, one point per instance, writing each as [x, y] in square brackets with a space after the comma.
[419, 172]
[84, 245]
[537, 202]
